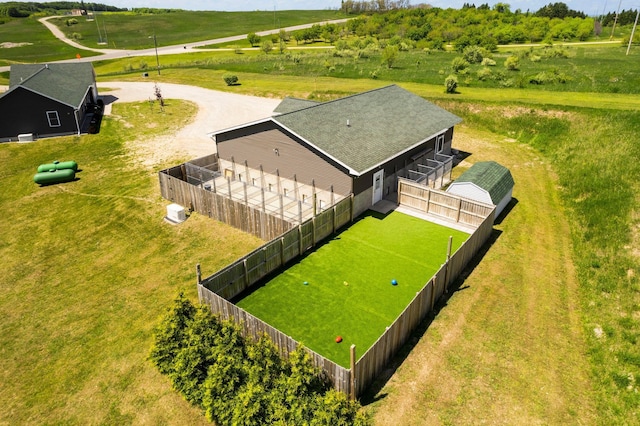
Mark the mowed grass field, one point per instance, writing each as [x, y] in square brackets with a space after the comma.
[349, 291]
[88, 267]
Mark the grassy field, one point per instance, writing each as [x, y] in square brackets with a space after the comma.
[88, 267]
[544, 330]
[585, 69]
[349, 291]
[130, 30]
[41, 45]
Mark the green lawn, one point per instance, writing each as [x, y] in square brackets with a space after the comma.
[349, 291]
[34, 43]
[131, 30]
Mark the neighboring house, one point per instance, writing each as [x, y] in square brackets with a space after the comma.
[47, 100]
[354, 145]
[487, 182]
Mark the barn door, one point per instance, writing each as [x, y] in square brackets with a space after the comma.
[378, 178]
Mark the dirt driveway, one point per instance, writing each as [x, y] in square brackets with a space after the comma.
[216, 111]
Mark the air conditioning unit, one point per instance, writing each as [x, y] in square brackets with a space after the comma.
[175, 213]
[25, 137]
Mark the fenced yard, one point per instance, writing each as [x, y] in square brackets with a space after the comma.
[218, 289]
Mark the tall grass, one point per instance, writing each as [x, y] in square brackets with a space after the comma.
[595, 156]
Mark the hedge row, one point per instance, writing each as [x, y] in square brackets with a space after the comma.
[243, 382]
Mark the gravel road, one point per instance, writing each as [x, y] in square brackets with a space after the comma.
[216, 111]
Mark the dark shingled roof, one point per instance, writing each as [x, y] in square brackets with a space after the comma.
[365, 130]
[293, 104]
[66, 82]
[490, 176]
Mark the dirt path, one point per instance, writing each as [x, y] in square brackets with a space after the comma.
[216, 111]
[507, 348]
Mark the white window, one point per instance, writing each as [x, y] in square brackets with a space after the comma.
[439, 143]
[54, 120]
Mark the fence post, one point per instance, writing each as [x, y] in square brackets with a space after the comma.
[198, 274]
[446, 270]
[352, 376]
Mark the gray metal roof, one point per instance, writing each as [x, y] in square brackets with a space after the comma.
[365, 130]
[66, 82]
[490, 176]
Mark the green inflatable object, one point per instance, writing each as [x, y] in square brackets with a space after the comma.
[57, 165]
[54, 176]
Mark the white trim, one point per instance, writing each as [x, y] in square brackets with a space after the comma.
[57, 118]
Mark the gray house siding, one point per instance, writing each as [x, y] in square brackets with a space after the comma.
[274, 148]
[23, 111]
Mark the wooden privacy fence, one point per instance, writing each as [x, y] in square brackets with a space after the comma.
[235, 213]
[439, 203]
[254, 328]
[229, 282]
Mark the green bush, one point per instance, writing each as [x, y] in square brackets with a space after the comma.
[240, 382]
[472, 54]
[451, 84]
[458, 64]
[512, 63]
[230, 79]
[488, 62]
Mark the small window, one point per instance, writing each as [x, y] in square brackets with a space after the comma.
[440, 143]
[54, 119]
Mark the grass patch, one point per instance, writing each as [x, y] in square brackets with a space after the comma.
[131, 30]
[35, 42]
[349, 291]
[87, 268]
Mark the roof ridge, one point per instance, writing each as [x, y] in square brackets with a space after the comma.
[318, 104]
[43, 67]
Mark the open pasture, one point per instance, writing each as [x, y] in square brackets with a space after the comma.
[349, 290]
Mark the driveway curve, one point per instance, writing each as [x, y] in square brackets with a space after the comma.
[216, 111]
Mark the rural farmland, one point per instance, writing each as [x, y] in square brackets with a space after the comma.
[542, 328]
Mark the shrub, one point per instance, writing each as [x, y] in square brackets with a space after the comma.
[472, 54]
[237, 381]
[458, 64]
[451, 84]
[512, 63]
[230, 79]
[488, 62]
[266, 47]
[484, 73]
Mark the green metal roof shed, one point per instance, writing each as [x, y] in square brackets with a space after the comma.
[487, 182]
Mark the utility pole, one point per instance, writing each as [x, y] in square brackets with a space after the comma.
[155, 44]
[635, 24]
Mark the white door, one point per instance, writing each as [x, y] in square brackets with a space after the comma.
[378, 178]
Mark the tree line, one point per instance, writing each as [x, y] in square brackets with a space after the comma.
[16, 9]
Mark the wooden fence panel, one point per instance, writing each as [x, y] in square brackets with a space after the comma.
[291, 244]
[253, 328]
[342, 213]
[306, 236]
[220, 207]
[324, 225]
